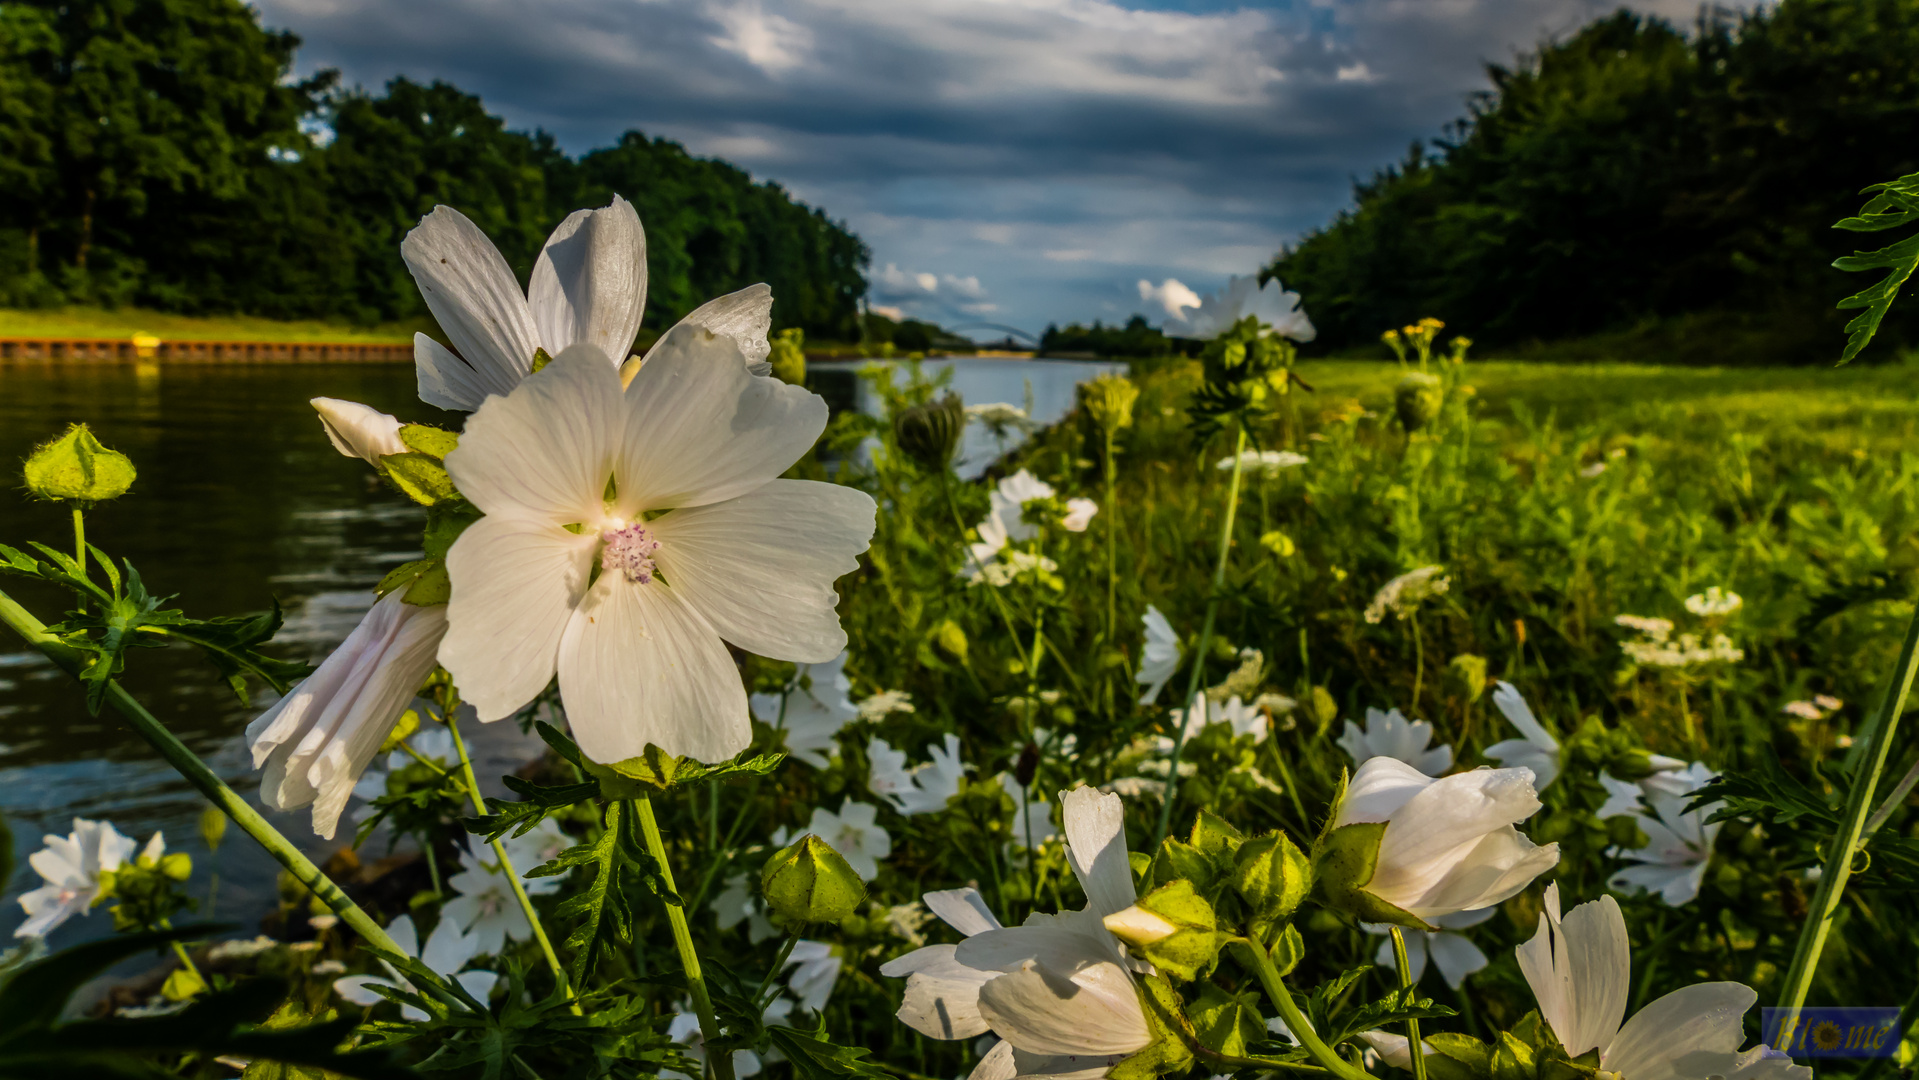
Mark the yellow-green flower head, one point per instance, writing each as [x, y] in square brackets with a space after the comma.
[75, 467]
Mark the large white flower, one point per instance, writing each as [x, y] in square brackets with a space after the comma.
[1159, 657]
[1449, 844]
[1009, 499]
[1243, 296]
[942, 994]
[1388, 734]
[1452, 953]
[1580, 967]
[485, 905]
[71, 866]
[1679, 843]
[855, 833]
[588, 287]
[816, 968]
[576, 475]
[447, 951]
[812, 710]
[739, 902]
[920, 789]
[316, 741]
[1537, 750]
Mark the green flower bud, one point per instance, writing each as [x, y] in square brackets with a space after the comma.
[1344, 860]
[1321, 707]
[788, 357]
[1173, 928]
[1109, 401]
[178, 866]
[808, 882]
[1227, 1023]
[1272, 875]
[1466, 677]
[930, 433]
[213, 827]
[1417, 398]
[951, 639]
[1177, 860]
[76, 468]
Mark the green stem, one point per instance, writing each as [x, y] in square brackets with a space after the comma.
[80, 539]
[760, 1000]
[721, 1062]
[1893, 801]
[1419, 661]
[1303, 1032]
[511, 873]
[959, 523]
[189, 765]
[1832, 883]
[186, 961]
[1415, 1046]
[1205, 637]
[1112, 548]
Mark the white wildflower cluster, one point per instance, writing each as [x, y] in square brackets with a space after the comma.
[1268, 463]
[1714, 603]
[993, 560]
[884, 704]
[1001, 417]
[1656, 647]
[1820, 707]
[918, 789]
[1402, 595]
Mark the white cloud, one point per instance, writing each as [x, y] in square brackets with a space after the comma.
[1355, 72]
[1171, 295]
[1068, 254]
[928, 295]
[994, 234]
[772, 43]
[887, 310]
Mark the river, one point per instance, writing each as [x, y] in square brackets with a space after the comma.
[240, 499]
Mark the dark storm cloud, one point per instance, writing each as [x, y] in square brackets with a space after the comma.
[1048, 152]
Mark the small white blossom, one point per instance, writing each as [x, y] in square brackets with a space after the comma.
[816, 967]
[738, 903]
[1452, 953]
[1079, 514]
[854, 832]
[1679, 843]
[884, 704]
[1654, 629]
[1388, 734]
[1001, 417]
[447, 951]
[485, 905]
[1714, 603]
[921, 789]
[71, 866]
[1009, 498]
[1401, 595]
[811, 711]
[1159, 657]
[1012, 565]
[1269, 463]
[908, 920]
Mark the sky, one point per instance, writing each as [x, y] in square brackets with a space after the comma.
[1009, 162]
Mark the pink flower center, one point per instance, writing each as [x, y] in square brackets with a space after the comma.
[629, 549]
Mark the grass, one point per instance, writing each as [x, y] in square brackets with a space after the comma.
[88, 322]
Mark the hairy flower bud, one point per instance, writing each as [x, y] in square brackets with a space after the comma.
[1109, 401]
[1272, 875]
[75, 467]
[1173, 928]
[930, 433]
[1416, 399]
[808, 882]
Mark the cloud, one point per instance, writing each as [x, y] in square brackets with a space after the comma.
[1172, 296]
[887, 310]
[929, 294]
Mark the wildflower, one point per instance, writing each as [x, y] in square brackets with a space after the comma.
[1001, 417]
[1679, 843]
[316, 741]
[1012, 566]
[1402, 595]
[1218, 312]
[1828, 702]
[588, 287]
[1079, 514]
[942, 995]
[1033, 821]
[906, 921]
[1009, 499]
[811, 711]
[537, 846]
[1657, 630]
[1452, 953]
[1536, 750]
[684, 1029]
[1804, 710]
[1243, 718]
[1244, 679]
[1714, 603]
[72, 866]
[1449, 845]
[485, 905]
[357, 430]
[884, 704]
[1388, 734]
[855, 834]
[1159, 656]
[1593, 470]
[1134, 787]
[744, 557]
[922, 789]
[736, 904]
[1580, 967]
[1269, 463]
[447, 951]
[227, 952]
[816, 967]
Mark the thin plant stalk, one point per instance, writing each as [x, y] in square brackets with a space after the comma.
[188, 765]
[1845, 843]
[722, 1063]
[1111, 510]
[1415, 1046]
[1205, 636]
[959, 523]
[1296, 1021]
[1419, 660]
[1893, 802]
[507, 868]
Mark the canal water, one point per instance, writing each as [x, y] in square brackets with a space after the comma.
[240, 500]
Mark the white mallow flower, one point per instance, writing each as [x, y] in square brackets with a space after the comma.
[855, 833]
[739, 902]
[447, 951]
[316, 741]
[540, 844]
[1671, 776]
[588, 287]
[1536, 750]
[921, 789]
[1009, 499]
[1580, 968]
[815, 706]
[1034, 821]
[684, 1029]
[669, 489]
[1217, 312]
[71, 866]
[1159, 657]
[1452, 953]
[1059, 990]
[816, 968]
[1079, 514]
[1679, 843]
[1449, 844]
[1243, 718]
[357, 430]
[485, 905]
[1268, 463]
[1388, 734]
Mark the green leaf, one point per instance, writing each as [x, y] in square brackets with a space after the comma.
[1896, 203]
[1227, 1023]
[604, 906]
[434, 586]
[421, 477]
[435, 443]
[520, 817]
[1343, 863]
[444, 524]
[816, 1057]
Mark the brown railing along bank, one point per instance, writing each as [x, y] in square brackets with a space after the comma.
[110, 350]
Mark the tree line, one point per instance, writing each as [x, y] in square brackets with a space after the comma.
[1674, 188]
[159, 153]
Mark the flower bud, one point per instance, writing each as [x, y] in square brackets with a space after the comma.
[1173, 928]
[930, 433]
[1272, 875]
[1417, 399]
[213, 827]
[1466, 677]
[1109, 401]
[951, 639]
[788, 356]
[76, 468]
[809, 882]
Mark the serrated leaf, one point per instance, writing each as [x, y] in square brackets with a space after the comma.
[435, 443]
[422, 478]
[521, 817]
[1896, 203]
[816, 1057]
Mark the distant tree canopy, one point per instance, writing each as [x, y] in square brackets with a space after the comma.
[1632, 174]
[1135, 339]
[156, 152]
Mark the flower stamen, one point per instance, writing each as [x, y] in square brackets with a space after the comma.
[629, 549]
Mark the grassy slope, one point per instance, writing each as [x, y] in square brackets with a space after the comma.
[99, 323]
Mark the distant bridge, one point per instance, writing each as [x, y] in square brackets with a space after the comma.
[1001, 327]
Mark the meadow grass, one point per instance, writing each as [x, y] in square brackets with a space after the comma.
[90, 322]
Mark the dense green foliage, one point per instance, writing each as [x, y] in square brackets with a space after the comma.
[1135, 340]
[152, 152]
[1635, 177]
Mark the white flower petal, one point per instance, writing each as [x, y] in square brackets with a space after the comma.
[1677, 885]
[1510, 702]
[545, 451]
[357, 430]
[477, 983]
[356, 988]
[1455, 956]
[405, 935]
[1067, 941]
[942, 994]
[638, 665]
[746, 317]
[1672, 1038]
[996, 1064]
[447, 950]
[589, 284]
[1380, 787]
[1097, 1011]
[448, 382]
[964, 910]
[514, 587]
[1096, 848]
[700, 429]
[761, 567]
[473, 294]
